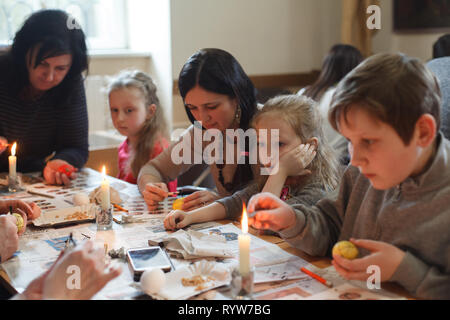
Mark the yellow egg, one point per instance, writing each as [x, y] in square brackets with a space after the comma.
[19, 221]
[345, 249]
[177, 204]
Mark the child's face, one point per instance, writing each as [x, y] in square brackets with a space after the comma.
[377, 150]
[215, 111]
[128, 110]
[288, 139]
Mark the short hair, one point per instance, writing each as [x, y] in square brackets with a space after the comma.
[216, 70]
[441, 48]
[49, 30]
[394, 88]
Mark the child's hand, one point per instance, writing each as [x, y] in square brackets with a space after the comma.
[198, 199]
[266, 211]
[53, 175]
[177, 219]
[294, 162]
[31, 209]
[384, 255]
[154, 193]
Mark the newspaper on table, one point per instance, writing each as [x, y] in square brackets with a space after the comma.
[262, 253]
[39, 247]
[349, 291]
[308, 288]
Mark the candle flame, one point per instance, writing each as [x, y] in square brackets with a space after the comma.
[244, 221]
[13, 149]
[104, 172]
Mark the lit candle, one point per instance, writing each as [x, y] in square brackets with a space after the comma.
[244, 246]
[104, 192]
[12, 161]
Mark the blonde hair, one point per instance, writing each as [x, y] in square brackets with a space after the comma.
[153, 128]
[302, 114]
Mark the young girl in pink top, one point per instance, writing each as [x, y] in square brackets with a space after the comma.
[136, 113]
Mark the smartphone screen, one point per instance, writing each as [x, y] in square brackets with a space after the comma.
[147, 258]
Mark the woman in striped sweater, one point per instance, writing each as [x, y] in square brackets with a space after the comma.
[42, 98]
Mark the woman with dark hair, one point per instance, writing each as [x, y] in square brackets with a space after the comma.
[42, 98]
[217, 94]
[441, 48]
[341, 59]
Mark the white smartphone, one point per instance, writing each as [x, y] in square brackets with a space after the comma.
[141, 259]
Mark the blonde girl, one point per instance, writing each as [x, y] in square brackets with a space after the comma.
[137, 114]
[307, 167]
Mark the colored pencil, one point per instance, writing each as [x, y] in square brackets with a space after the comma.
[317, 277]
[119, 207]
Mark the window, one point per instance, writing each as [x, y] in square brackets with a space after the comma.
[103, 21]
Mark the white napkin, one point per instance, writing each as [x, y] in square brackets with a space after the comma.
[192, 244]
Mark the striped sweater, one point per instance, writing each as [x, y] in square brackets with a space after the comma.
[43, 126]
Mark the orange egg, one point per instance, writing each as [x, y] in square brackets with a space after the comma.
[178, 204]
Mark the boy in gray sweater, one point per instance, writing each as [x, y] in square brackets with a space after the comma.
[394, 198]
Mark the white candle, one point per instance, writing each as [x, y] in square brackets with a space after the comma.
[12, 161]
[104, 192]
[244, 246]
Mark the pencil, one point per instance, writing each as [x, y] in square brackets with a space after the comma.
[40, 194]
[119, 207]
[317, 277]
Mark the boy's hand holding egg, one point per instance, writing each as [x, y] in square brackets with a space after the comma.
[345, 249]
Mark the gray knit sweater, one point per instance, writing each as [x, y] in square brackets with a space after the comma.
[308, 195]
[414, 216]
[441, 68]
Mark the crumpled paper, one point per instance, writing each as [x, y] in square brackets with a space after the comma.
[214, 274]
[193, 244]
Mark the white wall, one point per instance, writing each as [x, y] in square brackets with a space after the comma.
[149, 23]
[265, 36]
[414, 44]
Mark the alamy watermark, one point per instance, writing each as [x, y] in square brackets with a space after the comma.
[184, 153]
[374, 280]
[374, 21]
[74, 280]
[72, 24]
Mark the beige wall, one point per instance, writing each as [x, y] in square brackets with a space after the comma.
[266, 36]
[415, 44]
[114, 64]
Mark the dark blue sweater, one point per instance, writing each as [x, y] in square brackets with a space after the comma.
[43, 126]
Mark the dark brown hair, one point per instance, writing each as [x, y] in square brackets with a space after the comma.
[341, 59]
[394, 88]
